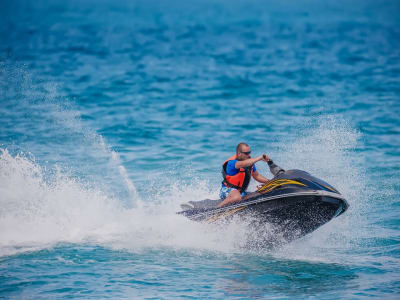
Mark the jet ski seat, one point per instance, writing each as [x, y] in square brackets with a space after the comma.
[207, 203]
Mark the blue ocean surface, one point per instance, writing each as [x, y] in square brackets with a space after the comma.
[113, 113]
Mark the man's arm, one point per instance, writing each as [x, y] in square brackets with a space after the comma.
[257, 176]
[251, 161]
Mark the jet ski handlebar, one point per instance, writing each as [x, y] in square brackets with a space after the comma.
[275, 169]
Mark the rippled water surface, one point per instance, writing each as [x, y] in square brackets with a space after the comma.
[113, 113]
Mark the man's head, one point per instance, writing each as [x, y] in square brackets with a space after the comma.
[243, 151]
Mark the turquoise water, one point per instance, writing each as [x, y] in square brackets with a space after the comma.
[114, 112]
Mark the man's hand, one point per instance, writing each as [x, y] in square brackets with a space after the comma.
[266, 158]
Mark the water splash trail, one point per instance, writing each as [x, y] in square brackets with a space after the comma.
[74, 145]
[116, 160]
[37, 212]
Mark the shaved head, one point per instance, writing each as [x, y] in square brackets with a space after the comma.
[240, 146]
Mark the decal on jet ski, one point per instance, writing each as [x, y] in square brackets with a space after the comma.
[329, 188]
[277, 183]
[224, 214]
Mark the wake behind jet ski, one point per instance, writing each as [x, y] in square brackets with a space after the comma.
[291, 205]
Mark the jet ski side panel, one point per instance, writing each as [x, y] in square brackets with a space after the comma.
[261, 204]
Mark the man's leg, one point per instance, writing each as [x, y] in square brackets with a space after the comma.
[234, 196]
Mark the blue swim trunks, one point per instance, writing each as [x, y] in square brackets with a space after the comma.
[224, 192]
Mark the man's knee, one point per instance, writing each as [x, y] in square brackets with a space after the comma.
[235, 195]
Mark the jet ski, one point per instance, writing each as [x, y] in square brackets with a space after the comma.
[294, 203]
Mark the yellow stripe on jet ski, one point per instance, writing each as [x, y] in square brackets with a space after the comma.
[277, 183]
[224, 214]
[330, 188]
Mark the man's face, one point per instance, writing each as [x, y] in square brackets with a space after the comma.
[244, 153]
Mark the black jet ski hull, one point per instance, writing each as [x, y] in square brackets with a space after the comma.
[290, 206]
[292, 216]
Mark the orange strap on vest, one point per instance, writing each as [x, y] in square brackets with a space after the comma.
[239, 181]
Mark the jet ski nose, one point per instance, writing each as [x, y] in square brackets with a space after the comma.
[187, 206]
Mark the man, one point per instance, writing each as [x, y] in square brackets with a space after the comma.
[237, 172]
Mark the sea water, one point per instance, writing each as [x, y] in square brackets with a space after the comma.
[112, 113]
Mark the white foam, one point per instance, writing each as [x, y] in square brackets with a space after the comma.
[36, 213]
